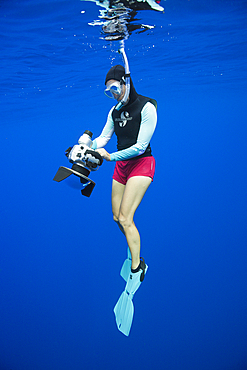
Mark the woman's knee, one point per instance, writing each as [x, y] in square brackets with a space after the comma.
[115, 218]
[125, 222]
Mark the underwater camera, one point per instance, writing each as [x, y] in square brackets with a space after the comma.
[84, 160]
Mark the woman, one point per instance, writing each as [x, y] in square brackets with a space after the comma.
[134, 124]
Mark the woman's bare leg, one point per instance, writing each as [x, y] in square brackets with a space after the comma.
[125, 200]
[116, 200]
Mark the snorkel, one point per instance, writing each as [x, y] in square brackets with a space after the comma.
[127, 77]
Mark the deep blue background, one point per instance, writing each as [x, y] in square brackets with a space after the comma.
[61, 253]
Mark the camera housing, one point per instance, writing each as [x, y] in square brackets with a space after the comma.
[84, 160]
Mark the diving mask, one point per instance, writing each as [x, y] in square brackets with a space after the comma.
[113, 90]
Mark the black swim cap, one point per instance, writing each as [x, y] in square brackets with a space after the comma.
[115, 73]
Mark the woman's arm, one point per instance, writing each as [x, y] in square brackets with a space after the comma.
[106, 133]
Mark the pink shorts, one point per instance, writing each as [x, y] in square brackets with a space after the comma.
[135, 167]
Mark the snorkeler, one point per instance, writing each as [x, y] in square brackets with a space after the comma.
[133, 120]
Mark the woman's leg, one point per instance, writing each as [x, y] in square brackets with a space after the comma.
[126, 199]
[116, 199]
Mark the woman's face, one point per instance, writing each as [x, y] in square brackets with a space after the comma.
[116, 96]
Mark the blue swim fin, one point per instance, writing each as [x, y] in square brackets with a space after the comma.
[124, 312]
[126, 268]
[124, 308]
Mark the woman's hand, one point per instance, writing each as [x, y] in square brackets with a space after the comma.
[104, 154]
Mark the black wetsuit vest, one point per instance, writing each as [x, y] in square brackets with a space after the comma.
[127, 122]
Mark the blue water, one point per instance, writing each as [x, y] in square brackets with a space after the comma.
[61, 253]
